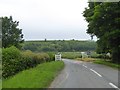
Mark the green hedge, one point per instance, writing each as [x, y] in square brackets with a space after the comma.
[15, 61]
[11, 58]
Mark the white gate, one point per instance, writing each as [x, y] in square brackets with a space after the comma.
[58, 57]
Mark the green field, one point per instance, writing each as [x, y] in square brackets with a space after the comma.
[71, 55]
[38, 77]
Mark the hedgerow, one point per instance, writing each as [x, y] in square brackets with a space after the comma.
[15, 61]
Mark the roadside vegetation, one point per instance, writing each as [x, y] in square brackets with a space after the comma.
[103, 22]
[100, 61]
[15, 60]
[39, 77]
[108, 63]
[94, 57]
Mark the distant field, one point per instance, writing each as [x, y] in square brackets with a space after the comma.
[71, 55]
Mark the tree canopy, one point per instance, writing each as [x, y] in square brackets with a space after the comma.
[11, 34]
[104, 21]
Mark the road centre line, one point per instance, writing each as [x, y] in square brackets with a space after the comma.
[93, 71]
[114, 86]
[96, 72]
[85, 66]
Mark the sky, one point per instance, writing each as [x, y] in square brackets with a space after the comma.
[50, 19]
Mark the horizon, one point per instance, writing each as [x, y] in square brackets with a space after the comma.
[60, 40]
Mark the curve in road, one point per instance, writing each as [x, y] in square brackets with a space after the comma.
[78, 74]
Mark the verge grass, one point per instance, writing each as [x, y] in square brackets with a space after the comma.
[86, 59]
[108, 63]
[100, 61]
[39, 77]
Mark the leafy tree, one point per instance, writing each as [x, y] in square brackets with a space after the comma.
[104, 21]
[11, 34]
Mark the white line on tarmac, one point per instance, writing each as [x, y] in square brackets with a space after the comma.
[85, 66]
[96, 72]
[114, 86]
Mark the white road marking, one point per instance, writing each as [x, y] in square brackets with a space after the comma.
[85, 66]
[114, 86]
[67, 74]
[96, 72]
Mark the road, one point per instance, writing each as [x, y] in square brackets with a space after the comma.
[78, 74]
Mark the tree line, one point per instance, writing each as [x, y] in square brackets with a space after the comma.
[59, 45]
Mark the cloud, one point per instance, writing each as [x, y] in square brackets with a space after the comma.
[52, 19]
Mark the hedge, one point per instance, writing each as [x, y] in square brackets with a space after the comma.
[15, 61]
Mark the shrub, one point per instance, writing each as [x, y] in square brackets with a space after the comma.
[103, 56]
[51, 55]
[41, 57]
[15, 61]
[11, 57]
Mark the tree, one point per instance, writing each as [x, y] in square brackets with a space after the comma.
[45, 39]
[104, 21]
[11, 34]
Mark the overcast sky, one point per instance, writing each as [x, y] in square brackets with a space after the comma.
[51, 19]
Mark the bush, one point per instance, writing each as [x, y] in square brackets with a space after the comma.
[11, 58]
[51, 55]
[15, 61]
[41, 57]
[102, 56]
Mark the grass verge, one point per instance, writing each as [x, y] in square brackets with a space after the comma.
[38, 77]
[86, 59]
[108, 63]
[100, 61]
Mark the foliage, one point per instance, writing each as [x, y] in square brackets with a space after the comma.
[104, 21]
[51, 55]
[10, 61]
[11, 34]
[38, 77]
[59, 46]
[15, 61]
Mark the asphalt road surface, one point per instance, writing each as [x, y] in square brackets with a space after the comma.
[78, 74]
